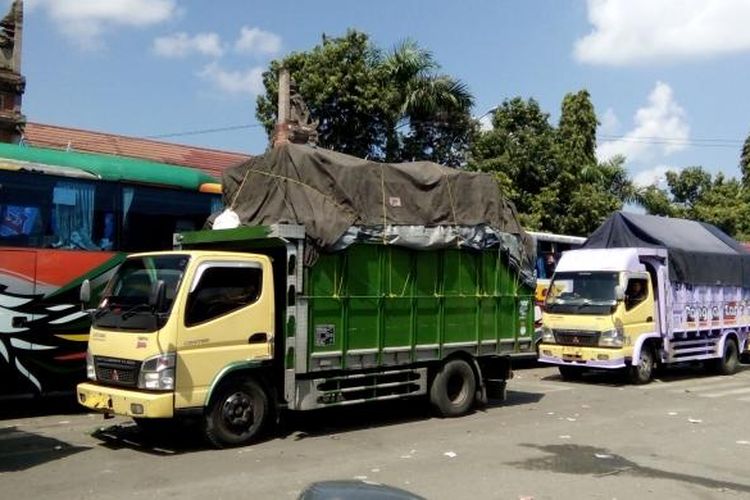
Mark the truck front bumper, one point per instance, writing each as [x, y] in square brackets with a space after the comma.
[591, 357]
[129, 403]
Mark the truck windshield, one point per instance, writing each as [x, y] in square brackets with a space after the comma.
[582, 293]
[128, 302]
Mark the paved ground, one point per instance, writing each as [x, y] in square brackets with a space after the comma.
[684, 436]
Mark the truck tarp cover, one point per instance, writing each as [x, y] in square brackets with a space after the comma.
[331, 193]
[699, 253]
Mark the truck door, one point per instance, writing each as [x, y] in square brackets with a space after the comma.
[227, 318]
[640, 309]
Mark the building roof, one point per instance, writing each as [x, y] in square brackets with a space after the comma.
[210, 161]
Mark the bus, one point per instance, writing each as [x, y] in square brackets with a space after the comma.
[65, 217]
[549, 248]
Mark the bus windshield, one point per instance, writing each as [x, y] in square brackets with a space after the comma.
[127, 302]
[582, 292]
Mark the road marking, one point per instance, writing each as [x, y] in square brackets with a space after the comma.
[742, 390]
[691, 384]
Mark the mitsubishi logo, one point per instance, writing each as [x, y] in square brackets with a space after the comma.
[576, 340]
[115, 376]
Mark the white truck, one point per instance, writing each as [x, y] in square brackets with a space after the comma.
[648, 290]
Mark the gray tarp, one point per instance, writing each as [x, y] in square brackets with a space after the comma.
[699, 253]
[331, 193]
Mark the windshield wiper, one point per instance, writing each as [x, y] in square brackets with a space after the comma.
[135, 309]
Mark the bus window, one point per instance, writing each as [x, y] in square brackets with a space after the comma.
[150, 216]
[24, 210]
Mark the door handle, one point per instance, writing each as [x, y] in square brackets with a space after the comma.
[258, 338]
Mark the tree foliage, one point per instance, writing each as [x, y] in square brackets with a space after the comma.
[551, 173]
[393, 107]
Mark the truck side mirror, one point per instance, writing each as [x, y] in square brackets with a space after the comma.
[84, 294]
[158, 295]
[619, 292]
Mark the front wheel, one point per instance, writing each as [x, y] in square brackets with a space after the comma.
[642, 372]
[728, 363]
[454, 388]
[238, 414]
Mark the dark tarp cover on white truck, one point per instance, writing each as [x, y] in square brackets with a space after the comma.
[699, 253]
[341, 199]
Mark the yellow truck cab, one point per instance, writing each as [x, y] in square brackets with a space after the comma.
[685, 298]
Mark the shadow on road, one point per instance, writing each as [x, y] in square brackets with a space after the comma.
[599, 462]
[14, 408]
[20, 450]
[618, 378]
[186, 437]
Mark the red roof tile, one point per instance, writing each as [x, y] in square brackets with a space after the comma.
[211, 161]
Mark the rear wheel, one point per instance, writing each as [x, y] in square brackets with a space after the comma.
[642, 372]
[729, 361]
[238, 414]
[570, 372]
[453, 389]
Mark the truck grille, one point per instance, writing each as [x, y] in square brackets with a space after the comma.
[116, 371]
[577, 338]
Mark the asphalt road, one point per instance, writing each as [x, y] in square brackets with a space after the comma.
[684, 436]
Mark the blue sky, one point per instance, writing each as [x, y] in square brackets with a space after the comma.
[669, 79]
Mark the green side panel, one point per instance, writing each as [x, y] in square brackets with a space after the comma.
[399, 297]
[325, 304]
[428, 291]
[241, 237]
[110, 168]
[387, 298]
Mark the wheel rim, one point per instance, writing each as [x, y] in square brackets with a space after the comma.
[238, 411]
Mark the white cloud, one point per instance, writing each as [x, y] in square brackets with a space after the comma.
[257, 41]
[661, 128]
[85, 21]
[629, 32]
[655, 175]
[609, 123]
[249, 81]
[182, 44]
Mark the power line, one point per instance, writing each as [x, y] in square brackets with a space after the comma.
[204, 131]
[677, 141]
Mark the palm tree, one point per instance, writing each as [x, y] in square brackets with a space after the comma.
[423, 101]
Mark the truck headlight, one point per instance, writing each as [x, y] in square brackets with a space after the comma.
[548, 336]
[612, 338]
[157, 373]
[90, 369]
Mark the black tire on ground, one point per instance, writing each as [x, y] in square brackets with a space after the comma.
[570, 372]
[238, 414]
[453, 389]
[729, 362]
[642, 373]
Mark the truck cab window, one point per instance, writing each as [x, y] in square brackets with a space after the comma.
[636, 292]
[222, 290]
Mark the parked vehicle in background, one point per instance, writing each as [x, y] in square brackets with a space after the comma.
[65, 217]
[237, 324]
[549, 248]
[647, 290]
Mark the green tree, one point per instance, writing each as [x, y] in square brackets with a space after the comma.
[340, 80]
[393, 107]
[745, 162]
[552, 174]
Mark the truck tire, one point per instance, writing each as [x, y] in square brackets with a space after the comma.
[453, 389]
[237, 414]
[728, 363]
[570, 372]
[642, 373]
